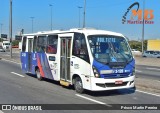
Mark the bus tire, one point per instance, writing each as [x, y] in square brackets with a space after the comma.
[39, 77]
[78, 85]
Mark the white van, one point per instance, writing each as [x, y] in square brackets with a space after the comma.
[6, 45]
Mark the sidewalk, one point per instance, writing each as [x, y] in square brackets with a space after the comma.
[147, 61]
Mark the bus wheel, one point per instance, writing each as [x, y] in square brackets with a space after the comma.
[39, 77]
[78, 85]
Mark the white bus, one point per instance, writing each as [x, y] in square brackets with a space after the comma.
[90, 59]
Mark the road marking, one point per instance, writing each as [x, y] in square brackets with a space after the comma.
[148, 93]
[153, 69]
[138, 71]
[96, 101]
[10, 61]
[17, 74]
[1, 111]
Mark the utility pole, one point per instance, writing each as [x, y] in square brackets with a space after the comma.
[79, 7]
[1, 28]
[10, 28]
[84, 17]
[32, 23]
[143, 27]
[51, 14]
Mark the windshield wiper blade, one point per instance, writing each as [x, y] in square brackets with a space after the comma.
[122, 55]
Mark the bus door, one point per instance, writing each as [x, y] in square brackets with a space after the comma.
[30, 50]
[65, 53]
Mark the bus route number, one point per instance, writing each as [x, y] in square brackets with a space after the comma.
[118, 71]
[24, 54]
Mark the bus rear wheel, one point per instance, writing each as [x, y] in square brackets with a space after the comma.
[39, 77]
[78, 85]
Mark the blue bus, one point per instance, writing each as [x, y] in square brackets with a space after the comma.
[90, 59]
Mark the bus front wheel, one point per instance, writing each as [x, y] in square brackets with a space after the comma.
[78, 85]
[39, 77]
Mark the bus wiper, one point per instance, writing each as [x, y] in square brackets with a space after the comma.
[111, 53]
[123, 56]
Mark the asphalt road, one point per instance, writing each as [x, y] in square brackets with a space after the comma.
[19, 88]
[149, 72]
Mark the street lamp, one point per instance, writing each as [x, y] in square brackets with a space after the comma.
[84, 17]
[32, 23]
[10, 28]
[51, 14]
[79, 15]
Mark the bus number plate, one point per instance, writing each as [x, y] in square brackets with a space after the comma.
[118, 82]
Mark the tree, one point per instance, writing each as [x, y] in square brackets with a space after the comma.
[138, 45]
[15, 42]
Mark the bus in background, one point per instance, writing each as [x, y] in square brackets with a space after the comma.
[90, 59]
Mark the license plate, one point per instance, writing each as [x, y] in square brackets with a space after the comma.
[118, 82]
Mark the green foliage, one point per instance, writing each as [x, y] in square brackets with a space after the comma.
[15, 43]
[138, 45]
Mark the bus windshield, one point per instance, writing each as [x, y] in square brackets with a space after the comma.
[107, 49]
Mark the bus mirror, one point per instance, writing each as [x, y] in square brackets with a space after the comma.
[52, 58]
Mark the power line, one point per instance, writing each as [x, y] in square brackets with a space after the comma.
[143, 27]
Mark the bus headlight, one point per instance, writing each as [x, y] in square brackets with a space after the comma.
[96, 74]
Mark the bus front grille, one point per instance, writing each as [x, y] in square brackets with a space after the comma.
[111, 84]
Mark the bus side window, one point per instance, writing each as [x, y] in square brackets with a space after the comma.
[24, 44]
[80, 47]
[41, 44]
[35, 44]
[52, 44]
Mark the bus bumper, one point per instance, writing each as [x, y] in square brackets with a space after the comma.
[101, 84]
